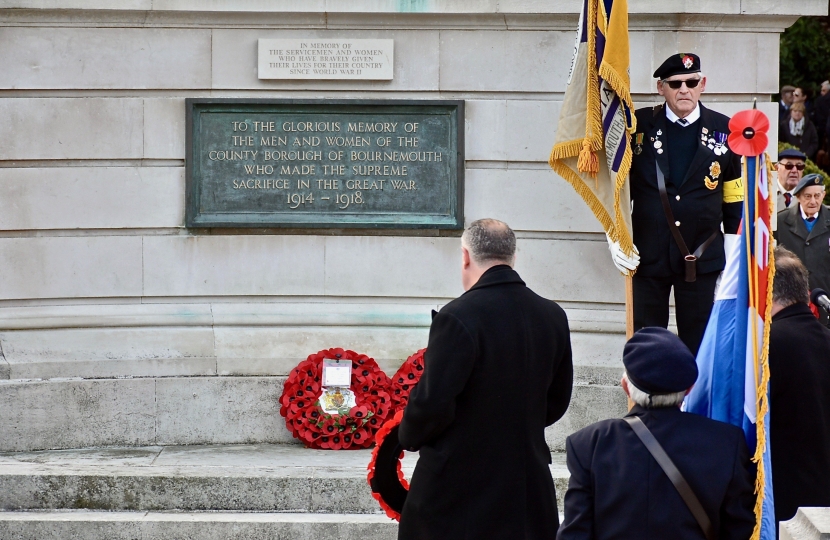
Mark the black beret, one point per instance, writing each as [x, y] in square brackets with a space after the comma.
[813, 179]
[792, 153]
[657, 362]
[678, 64]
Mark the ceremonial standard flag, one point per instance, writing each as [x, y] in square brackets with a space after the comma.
[593, 148]
[733, 384]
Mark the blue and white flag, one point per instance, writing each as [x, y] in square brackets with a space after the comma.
[733, 384]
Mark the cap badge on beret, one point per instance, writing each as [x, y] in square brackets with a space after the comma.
[812, 179]
[688, 62]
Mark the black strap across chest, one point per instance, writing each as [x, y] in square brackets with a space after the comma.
[676, 477]
[689, 258]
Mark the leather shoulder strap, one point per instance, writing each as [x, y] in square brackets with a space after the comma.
[665, 462]
[689, 259]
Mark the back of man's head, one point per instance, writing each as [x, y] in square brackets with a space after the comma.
[659, 368]
[490, 241]
[791, 282]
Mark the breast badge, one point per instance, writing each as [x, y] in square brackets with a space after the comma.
[714, 169]
[709, 183]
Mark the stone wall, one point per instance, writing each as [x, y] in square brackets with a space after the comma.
[101, 280]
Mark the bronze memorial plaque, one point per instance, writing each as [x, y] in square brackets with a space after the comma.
[325, 163]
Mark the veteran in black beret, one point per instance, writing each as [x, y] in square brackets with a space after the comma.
[617, 489]
[685, 186]
[791, 164]
[804, 229]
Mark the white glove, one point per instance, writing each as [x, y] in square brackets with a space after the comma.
[625, 264]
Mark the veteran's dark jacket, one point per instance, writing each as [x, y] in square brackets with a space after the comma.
[812, 248]
[617, 490]
[698, 205]
[799, 361]
[497, 371]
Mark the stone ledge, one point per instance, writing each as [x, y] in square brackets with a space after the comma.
[84, 525]
[446, 7]
[256, 478]
[268, 313]
[79, 413]
[713, 20]
[808, 524]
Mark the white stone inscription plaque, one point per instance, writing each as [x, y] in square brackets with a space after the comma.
[367, 59]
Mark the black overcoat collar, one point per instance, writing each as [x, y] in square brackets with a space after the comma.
[497, 275]
[799, 309]
[792, 218]
[637, 410]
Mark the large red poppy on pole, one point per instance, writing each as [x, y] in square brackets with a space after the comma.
[748, 133]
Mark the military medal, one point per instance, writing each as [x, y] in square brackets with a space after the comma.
[638, 144]
[658, 144]
[720, 143]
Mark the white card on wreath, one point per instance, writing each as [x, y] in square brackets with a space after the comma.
[337, 373]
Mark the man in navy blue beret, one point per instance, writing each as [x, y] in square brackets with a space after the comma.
[617, 488]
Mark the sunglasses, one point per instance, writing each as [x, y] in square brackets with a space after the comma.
[675, 85]
[789, 166]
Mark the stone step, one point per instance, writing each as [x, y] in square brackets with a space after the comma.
[166, 411]
[236, 478]
[100, 525]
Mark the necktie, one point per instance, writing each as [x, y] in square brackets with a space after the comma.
[683, 122]
[787, 198]
[811, 219]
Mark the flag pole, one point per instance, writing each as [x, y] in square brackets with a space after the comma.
[629, 306]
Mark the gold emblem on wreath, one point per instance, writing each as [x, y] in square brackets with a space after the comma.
[333, 399]
[709, 183]
[714, 170]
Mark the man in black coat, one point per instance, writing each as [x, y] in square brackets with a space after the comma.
[684, 143]
[497, 371]
[799, 362]
[618, 490]
[804, 229]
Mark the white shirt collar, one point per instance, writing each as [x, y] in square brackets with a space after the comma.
[692, 118]
[805, 216]
[782, 190]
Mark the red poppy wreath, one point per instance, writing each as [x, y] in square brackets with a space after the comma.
[374, 399]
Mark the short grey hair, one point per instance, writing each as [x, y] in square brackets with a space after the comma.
[826, 85]
[490, 240]
[791, 283]
[653, 401]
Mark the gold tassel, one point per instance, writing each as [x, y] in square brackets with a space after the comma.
[588, 161]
